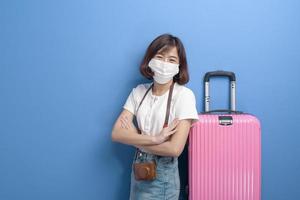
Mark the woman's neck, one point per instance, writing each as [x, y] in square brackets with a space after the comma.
[160, 89]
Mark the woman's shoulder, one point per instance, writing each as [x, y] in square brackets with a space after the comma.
[183, 90]
[139, 90]
[142, 87]
[184, 95]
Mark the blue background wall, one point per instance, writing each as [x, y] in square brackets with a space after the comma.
[67, 67]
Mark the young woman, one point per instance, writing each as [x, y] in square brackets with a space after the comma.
[165, 63]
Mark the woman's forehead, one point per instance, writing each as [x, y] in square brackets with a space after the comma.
[168, 51]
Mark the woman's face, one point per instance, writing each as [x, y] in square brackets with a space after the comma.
[170, 55]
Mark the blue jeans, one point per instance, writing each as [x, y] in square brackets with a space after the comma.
[167, 182]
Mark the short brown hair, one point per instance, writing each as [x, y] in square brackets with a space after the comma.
[164, 43]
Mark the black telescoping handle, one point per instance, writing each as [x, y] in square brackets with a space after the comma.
[219, 73]
[224, 111]
[230, 75]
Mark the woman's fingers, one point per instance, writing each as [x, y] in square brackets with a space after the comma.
[168, 135]
[174, 124]
[171, 132]
[124, 123]
[126, 119]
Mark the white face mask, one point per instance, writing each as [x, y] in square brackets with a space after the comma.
[163, 71]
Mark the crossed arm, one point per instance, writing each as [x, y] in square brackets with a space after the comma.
[125, 132]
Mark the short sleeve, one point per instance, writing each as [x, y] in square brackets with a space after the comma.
[185, 107]
[130, 103]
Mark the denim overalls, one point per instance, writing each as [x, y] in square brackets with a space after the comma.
[165, 186]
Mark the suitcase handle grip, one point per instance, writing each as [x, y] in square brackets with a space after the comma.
[228, 74]
[218, 73]
[223, 111]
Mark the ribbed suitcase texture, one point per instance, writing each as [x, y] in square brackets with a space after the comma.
[225, 161]
[224, 152]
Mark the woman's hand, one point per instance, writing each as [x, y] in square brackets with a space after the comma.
[125, 123]
[166, 132]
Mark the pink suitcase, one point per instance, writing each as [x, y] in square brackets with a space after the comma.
[224, 152]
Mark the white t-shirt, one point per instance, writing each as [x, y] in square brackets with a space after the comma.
[151, 114]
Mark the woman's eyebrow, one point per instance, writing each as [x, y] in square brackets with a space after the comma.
[174, 57]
